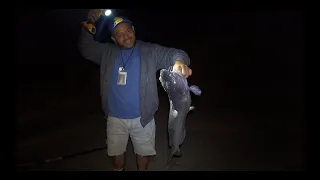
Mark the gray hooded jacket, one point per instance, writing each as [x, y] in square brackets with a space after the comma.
[153, 57]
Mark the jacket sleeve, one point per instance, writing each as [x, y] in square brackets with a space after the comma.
[167, 56]
[91, 49]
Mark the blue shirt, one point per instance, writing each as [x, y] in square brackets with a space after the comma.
[123, 100]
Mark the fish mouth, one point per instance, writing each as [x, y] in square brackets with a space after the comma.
[173, 82]
[167, 80]
[166, 76]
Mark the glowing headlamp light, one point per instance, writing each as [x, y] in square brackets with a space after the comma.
[107, 12]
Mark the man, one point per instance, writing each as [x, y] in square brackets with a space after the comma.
[129, 86]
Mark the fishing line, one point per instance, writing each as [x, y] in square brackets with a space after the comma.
[60, 157]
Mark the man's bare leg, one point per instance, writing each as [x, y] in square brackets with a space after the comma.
[143, 162]
[118, 162]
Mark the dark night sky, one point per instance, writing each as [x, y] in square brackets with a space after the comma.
[235, 53]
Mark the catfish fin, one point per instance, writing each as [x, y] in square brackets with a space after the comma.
[195, 89]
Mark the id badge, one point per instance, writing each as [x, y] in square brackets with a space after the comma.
[122, 78]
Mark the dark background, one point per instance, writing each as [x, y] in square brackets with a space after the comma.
[246, 61]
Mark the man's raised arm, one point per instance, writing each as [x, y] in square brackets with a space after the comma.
[88, 47]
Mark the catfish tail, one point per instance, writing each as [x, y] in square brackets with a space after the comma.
[175, 152]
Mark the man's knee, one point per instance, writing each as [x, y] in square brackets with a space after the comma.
[145, 150]
[116, 144]
[117, 137]
[143, 140]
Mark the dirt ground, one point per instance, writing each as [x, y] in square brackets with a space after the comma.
[56, 120]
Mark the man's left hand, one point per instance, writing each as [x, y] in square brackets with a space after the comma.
[179, 66]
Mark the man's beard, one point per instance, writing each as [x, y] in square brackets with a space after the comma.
[124, 47]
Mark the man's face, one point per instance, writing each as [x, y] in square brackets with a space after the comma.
[124, 36]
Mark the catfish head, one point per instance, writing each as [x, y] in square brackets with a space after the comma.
[176, 85]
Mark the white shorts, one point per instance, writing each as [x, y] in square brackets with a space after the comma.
[118, 131]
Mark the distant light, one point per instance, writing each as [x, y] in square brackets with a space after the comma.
[107, 12]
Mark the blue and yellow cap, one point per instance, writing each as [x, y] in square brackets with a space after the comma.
[116, 21]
